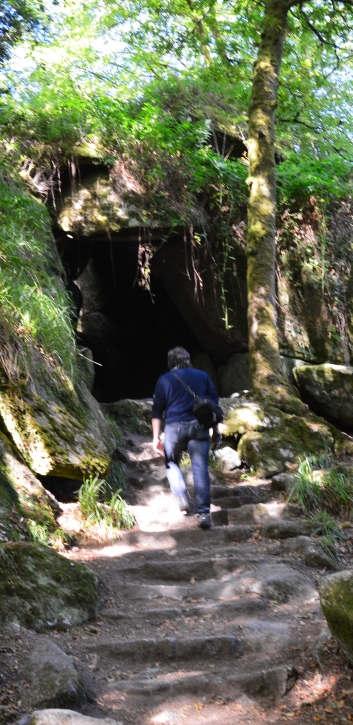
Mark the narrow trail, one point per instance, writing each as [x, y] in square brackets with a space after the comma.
[219, 626]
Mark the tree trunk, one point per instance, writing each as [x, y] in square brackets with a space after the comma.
[261, 243]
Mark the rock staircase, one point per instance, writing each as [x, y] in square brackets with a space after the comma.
[193, 619]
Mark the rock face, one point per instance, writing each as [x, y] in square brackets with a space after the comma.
[41, 590]
[336, 598]
[20, 487]
[104, 206]
[271, 439]
[235, 375]
[204, 313]
[52, 677]
[328, 389]
[58, 429]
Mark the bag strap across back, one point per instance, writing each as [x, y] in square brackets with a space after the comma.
[196, 397]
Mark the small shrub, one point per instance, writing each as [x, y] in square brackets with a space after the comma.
[328, 527]
[306, 491]
[324, 493]
[98, 505]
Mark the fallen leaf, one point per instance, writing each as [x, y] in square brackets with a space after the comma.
[192, 580]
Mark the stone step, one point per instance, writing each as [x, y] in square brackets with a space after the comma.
[200, 569]
[187, 537]
[287, 529]
[265, 682]
[262, 513]
[258, 636]
[240, 607]
[275, 579]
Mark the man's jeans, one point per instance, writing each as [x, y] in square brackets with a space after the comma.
[188, 435]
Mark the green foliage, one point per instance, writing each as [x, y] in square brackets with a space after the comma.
[58, 539]
[325, 177]
[17, 19]
[324, 493]
[33, 308]
[328, 528]
[98, 505]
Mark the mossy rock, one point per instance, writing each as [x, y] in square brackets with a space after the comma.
[329, 390]
[272, 438]
[270, 451]
[336, 599]
[20, 488]
[39, 589]
[58, 428]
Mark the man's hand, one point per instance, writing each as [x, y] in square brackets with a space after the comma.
[158, 447]
[157, 443]
[216, 436]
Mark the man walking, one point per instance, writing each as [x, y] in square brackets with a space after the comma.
[182, 431]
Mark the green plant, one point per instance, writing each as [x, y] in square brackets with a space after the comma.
[307, 490]
[337, 494]
[328, 526]
[321, 490]
[38, 532]
[98, 504]
[34, 307]
[119, 512]
[60, 539]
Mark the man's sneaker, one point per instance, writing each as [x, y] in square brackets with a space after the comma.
[184, 502]
[204, 521]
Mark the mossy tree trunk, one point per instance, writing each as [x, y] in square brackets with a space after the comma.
[261, 244]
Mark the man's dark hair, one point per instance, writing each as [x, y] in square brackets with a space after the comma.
[178, 357]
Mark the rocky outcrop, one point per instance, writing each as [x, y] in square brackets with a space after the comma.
[328, 389]
[336, 598]
[39, 589]
[59, 429]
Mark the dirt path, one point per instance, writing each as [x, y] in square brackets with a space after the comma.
[220, 626]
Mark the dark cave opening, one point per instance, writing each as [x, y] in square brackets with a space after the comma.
[128, 328]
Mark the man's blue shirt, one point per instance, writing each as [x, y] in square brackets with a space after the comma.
[173, 402]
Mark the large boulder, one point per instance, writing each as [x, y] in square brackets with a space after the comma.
[39, 589]
[135, 415]
[51, 677]
[328, 389]
[57, 427]
[336, 598]
[270, 439]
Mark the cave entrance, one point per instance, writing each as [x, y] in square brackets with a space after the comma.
[128, 328]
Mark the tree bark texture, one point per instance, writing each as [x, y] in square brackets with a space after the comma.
[265, 361]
